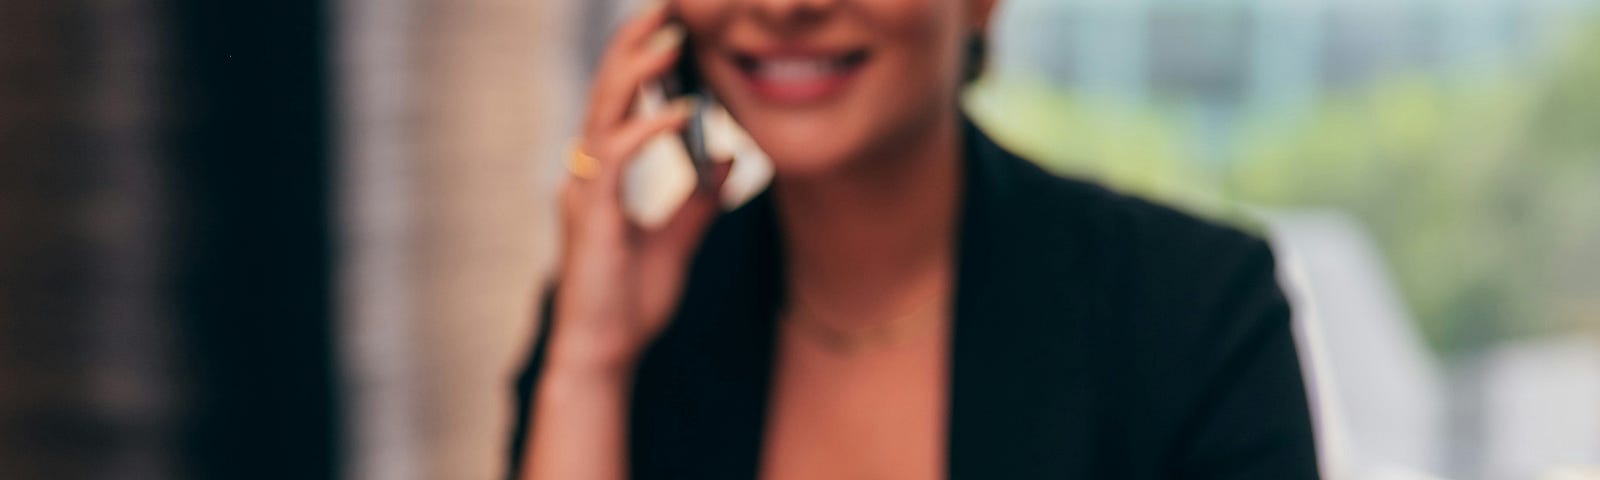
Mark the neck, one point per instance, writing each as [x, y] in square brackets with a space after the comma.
[877, 238]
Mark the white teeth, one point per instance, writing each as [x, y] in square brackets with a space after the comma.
[794, 70]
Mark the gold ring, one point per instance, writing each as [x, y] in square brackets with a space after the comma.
[582, 165]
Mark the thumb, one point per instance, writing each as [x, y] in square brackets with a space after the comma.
[682, 233]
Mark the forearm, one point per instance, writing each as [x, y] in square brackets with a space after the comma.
[579, 427]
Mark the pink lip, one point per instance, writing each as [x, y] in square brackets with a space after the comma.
[803, 89]
[800, 92]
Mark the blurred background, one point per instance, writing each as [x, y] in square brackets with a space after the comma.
[302, 239]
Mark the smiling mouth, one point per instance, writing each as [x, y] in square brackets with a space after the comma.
[799, 79]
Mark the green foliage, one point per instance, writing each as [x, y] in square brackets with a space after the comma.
[1483, 193]
[1128, 149]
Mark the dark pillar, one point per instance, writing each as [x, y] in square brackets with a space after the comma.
[255, 282]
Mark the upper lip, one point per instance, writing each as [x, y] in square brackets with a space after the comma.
[793, 51]
[750, 58]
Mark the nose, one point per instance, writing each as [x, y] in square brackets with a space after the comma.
[792, 13]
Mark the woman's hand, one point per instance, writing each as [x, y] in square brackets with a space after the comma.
[620, 283]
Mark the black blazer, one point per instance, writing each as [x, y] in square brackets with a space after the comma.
[1097, 336]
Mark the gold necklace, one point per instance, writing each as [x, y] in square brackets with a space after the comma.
[874, 335]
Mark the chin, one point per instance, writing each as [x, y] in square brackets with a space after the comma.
[804, 160]
[804, 168]
[804, 149]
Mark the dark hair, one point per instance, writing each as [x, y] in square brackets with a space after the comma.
[977, 57]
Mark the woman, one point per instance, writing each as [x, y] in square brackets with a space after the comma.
[907, 300]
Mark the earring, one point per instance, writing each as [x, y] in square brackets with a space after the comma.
[977, 56]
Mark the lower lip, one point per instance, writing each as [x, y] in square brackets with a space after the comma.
[801, 92]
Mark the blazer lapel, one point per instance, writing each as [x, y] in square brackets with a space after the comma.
[1018, 399]
[1018, 389]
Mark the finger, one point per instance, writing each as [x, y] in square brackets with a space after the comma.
[682, 233]
[719, 176]
[624, 144]
[628, 138]
[623, 71]
[635, 30]
[571, 211]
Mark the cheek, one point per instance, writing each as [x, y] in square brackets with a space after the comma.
[926, 37]
[923, 46]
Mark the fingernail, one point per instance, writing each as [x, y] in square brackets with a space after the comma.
[667, 38]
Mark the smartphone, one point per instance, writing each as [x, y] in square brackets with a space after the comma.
[669, 168]
[684, 80]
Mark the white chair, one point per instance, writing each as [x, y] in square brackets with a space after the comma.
[1375, 389]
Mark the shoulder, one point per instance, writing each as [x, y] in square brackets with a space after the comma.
[1138, 254]
[1195, 301]
[1166, 284]
[1158, 241]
